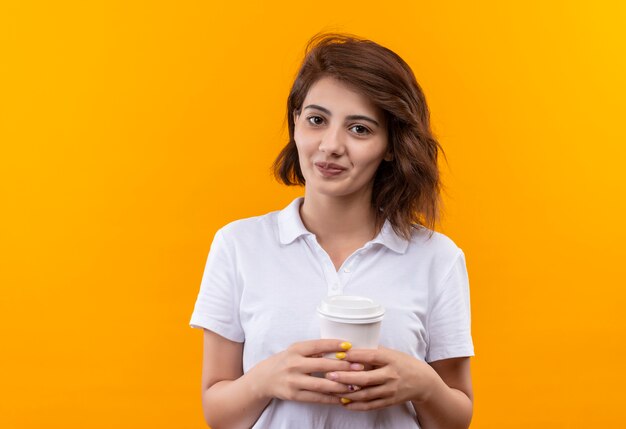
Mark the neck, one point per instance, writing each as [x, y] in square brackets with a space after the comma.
[339, 218]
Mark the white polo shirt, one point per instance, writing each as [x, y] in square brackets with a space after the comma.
[265, 276]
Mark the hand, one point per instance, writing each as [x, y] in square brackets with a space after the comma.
[396, 378]
[287, 375]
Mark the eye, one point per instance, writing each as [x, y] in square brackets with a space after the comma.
[361, 130]
[315, 120]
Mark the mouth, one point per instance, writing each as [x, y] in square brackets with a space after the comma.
[329, 169]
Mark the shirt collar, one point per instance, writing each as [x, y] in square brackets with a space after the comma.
[388, 238]
[290, 224]
[290, 227]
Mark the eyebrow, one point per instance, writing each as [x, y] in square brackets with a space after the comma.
[351, 117]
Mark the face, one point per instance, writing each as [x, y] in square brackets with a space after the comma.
[341, 139]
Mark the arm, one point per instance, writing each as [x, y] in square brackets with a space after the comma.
[232, 399]
[223, 381]
[441, 393]
[449, 403]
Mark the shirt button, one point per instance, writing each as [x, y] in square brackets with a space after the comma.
[335, 286]
[346, 270]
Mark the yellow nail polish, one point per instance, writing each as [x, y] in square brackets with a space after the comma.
[345, 401]
[340, 355]
[345, 345]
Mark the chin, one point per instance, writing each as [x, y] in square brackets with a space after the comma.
[334, 191]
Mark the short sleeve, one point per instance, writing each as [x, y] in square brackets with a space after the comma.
[449, 317]
[217, 304]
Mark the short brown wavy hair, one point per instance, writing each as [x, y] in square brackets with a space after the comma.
[406, 189]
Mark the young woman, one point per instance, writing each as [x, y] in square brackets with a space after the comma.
[360, 143]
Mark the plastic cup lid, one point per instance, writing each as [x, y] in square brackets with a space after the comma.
[351, 309]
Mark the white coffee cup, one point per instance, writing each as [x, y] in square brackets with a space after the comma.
[356, 319]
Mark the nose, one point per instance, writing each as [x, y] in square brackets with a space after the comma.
[332, 142]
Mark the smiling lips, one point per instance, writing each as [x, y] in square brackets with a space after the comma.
[328, 169]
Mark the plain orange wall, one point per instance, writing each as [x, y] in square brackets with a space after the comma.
[131, 131]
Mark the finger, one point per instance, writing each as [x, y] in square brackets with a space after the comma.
[359, 378]
[318, 347]
[316, 397]
[310, 365]
[322, 385]
[369, 394]
[368, 405]
[375, 357]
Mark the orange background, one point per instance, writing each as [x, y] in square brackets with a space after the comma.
[131, 131]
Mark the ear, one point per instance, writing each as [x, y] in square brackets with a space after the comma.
[388, 156]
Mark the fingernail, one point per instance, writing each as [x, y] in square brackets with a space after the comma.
[353, 388]
[340, 355]
[345, 345]
[356, 366]
[345, 401]
[333, 375]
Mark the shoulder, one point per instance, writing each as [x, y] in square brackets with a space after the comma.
[436, 246]
[433, 240]
[250, 229]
